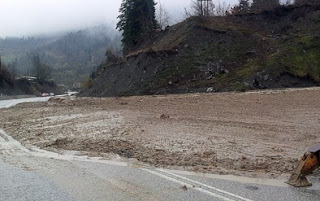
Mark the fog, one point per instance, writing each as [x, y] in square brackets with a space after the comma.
[30, 17]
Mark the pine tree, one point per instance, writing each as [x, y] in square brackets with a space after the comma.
[136, 21]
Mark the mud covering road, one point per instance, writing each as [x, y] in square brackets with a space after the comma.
[256, 134]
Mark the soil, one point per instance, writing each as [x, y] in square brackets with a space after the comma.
[257, 134]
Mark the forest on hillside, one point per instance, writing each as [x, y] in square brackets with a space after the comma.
[71, 56]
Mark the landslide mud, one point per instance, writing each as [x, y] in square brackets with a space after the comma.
[258, 134]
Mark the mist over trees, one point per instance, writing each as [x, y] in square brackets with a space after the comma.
[12, 68]
[72, 56]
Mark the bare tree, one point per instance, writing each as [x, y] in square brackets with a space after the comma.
[12, 67]
[209, 10]
[162, 16]
[41, 70]
[242, 8]
[200, 8]
[222, 9]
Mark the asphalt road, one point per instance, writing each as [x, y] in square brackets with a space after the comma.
[17, 184]
[32, 174]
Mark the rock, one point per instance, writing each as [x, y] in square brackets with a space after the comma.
[184, 187]
[170, 83]
[163, 116]
[210, 77]
[210, 89]
[246, 84]
[256, 83]
[186, 45]
[208, 153]
[224, 71]
[266, 77]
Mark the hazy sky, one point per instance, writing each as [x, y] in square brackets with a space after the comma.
[28, 17]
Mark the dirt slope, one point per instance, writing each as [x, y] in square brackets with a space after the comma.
[273, 49]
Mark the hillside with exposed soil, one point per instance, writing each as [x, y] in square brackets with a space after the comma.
[272, 49]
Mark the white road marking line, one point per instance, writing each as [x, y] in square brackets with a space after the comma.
[188, 185]
[205, 185]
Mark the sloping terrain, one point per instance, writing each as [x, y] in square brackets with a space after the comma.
[273, 49]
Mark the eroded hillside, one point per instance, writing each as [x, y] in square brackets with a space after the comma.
[272, 49]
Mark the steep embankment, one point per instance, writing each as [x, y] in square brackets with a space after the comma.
[273, 49]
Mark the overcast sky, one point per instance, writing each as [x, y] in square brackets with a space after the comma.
[29, 17]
